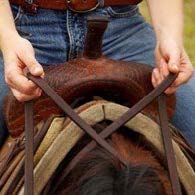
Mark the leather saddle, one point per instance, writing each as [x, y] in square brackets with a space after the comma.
[118, 81]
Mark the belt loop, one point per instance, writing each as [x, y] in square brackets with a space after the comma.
[101, 3]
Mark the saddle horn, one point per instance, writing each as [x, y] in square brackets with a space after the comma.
[96, 26]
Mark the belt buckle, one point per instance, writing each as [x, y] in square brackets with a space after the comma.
[84, 5]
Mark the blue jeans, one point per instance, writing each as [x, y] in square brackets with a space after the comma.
[58, 36]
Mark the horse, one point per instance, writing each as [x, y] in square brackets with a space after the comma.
[101, 173]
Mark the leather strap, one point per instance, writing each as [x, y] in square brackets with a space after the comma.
[5, 160]
[29, 147]
[112, 128]
[74, 116]
[37, 141]
[77, 5]
[168, 146]
[158, 92]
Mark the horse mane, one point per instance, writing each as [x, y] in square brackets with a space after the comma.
[101, 173]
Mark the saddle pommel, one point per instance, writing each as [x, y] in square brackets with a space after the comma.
[96, 27]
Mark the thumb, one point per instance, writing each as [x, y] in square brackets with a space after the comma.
[34, 67]
[174, 62]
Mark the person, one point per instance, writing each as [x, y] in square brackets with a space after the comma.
[52, 36]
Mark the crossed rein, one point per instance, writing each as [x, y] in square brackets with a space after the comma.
[100, 138]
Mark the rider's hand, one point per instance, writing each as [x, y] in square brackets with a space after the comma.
[18, 54]
[171, 57]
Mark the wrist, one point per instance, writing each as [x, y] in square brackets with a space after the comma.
[6, 36]
[169, 33]
[164, 36]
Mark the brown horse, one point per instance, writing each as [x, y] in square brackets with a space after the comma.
[101, 173]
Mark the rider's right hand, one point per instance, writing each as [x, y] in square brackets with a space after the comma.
[18, 54]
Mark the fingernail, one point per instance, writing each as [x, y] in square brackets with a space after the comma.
[42, 76]
[40, 93]
[175, 67]
[37, 70]
[155, 71]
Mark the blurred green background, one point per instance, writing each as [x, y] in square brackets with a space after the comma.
[189, 26]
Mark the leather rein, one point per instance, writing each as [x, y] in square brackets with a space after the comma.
[100, 138]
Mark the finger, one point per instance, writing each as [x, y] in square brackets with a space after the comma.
[185, 60]
[182, 78]
[15, 78]
[34, 67]
[23, 97]
[174, 62]
[158, 55]
[154, 82]
[163, 67]
[157, 76]
[170, 90]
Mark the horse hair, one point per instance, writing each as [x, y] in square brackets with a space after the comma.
[101, 174]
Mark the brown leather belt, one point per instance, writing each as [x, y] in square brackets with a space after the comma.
[79, 6]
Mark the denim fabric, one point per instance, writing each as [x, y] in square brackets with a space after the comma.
[3, 91]
[58, 36]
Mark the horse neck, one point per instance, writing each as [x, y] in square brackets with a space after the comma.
[136, 154]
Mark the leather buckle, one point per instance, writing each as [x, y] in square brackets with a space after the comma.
[82, 6]
[30, 8]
